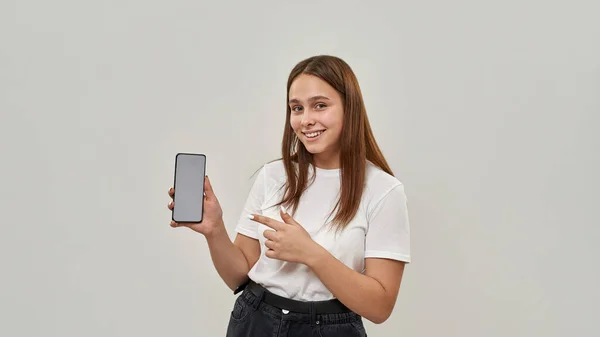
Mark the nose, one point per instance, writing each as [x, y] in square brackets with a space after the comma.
[307, 119]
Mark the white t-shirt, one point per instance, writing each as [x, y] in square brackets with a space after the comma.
[380, 228]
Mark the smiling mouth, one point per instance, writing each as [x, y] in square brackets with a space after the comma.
[312, 135]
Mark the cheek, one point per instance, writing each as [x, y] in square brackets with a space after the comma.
[294, 123]
[333, 122]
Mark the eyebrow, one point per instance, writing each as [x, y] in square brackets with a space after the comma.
[312, 99]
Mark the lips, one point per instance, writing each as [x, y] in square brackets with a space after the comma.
[313, 134]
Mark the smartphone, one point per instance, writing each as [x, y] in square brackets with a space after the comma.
[190, 170]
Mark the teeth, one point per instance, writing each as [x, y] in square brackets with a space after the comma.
[314, 134]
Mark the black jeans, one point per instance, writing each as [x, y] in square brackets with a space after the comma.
[252, 317]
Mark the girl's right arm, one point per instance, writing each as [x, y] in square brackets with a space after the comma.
[232, 260]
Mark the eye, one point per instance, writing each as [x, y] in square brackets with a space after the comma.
[296, 108]
[321, 106]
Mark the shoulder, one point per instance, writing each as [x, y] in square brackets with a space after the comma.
[272, 173]
[377, 180]
[274, 169]
[379, 185]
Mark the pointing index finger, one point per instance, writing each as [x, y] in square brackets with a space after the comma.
[265, 221]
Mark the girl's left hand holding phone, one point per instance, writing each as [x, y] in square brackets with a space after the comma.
[212, 215]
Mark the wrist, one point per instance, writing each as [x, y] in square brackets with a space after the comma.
[315, 255]
[216, 231]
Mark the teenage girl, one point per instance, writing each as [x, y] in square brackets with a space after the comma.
[324, 235]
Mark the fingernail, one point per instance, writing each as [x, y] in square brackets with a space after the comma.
[283, 210]
[250, 216]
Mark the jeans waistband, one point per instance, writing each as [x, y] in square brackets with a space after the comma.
[312, 308]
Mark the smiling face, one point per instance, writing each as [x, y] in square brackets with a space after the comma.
[316, 117]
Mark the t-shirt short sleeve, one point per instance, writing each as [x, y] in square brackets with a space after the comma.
[253, 205]
[388, 234]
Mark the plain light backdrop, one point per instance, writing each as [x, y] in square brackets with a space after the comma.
[487, 111]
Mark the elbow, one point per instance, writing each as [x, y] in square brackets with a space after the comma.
[380, 316]
[381, 309]
[379, 319]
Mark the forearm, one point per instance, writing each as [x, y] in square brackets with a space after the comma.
[228, 259]
[360, 293]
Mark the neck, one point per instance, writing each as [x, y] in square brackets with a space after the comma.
[327, 161]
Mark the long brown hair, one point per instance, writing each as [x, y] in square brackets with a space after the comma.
[357, 141]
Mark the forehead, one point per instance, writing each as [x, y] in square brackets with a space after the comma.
[306, 86]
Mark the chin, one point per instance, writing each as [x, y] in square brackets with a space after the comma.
[312, 150]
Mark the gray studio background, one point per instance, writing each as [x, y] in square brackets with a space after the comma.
[487, 111]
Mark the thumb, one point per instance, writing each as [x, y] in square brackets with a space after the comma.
[208, 189]
[286, 217]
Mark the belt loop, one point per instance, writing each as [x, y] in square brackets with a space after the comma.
[259, 298]
[313, 314]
